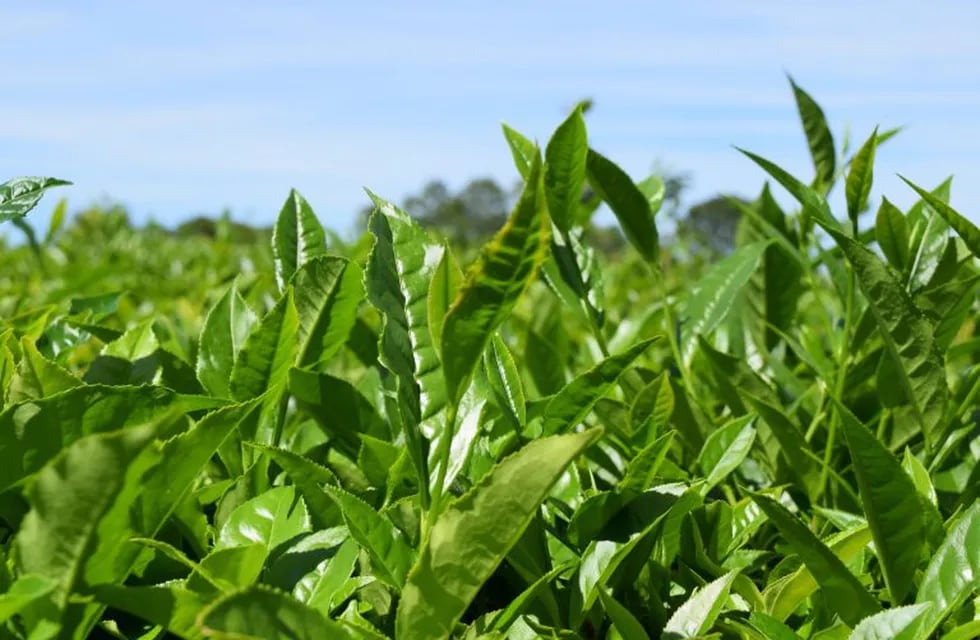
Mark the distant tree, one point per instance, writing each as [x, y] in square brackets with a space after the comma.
[713, 224]
[465, 218]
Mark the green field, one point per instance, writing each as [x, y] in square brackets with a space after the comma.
[231, 433]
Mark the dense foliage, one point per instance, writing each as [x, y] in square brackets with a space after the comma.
[204, 437]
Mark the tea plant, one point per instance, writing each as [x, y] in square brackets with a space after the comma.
[372, 441]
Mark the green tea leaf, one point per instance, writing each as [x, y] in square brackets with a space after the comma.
[892, 233]
[575, 400]
[966, 229]
[390, 553]
[503, 620]
[27, 589]
[784, 595]
[928, 238]
[920, 477]
[712, 297]
[338, 406]
[296, 238]
[625, 622]
[20, 195]
[319, 588]
[725, 449]
[814, 204]
[76, 501]
[503, 271]
[327, 291]
[225, 330]
[446, 281]
[643, 468]
[260, 613]
[37, 377]
[651, 409]
[627, 202]
[172, 607]
[900, 623]
[897, 523]
[953, 573]
[34, 432]
[565, 158]
[907, 335]
[233, 567]
[505, 382]
[860, 177]
[262, 366]
[308, 477]
[474, 533]
[698, 614]
[843, 592]
[182, 459]
[398, 276]
[523, 150]
[818, 137]
[270, 519]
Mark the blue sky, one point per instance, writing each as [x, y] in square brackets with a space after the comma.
[179, 108]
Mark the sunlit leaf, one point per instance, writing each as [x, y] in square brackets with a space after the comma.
[297, 237]
[505, 268]
[565, 158]
[472, 536]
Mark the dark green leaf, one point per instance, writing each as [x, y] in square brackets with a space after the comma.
[785, 594]
[843, 592]
[565, 158]
[625, 622]
[309, 477]
[859, 178]
[813, 202]
[818, 137]
[575, 400]
[892, 233]
[173, 607]
[34, 432]
[907, 334]
[627, 202]
[897, 523]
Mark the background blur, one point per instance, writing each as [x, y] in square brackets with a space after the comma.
[180, 109]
